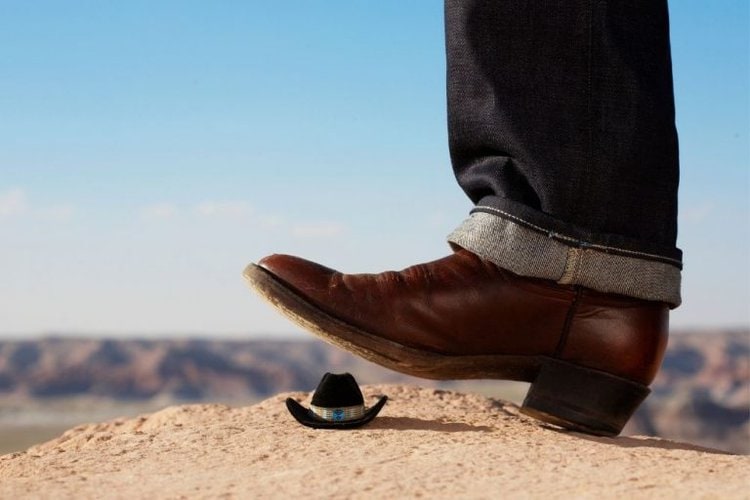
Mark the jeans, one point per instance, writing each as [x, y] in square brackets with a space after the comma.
[562, 132]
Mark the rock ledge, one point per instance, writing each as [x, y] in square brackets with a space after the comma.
[426, 442]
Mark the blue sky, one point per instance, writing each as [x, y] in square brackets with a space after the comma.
[149, 150]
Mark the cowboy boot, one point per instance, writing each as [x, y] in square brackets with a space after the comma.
[589, 356]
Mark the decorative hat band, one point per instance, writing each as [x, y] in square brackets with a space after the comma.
[339, 414]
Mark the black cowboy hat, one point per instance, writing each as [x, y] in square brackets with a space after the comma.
[336, 404]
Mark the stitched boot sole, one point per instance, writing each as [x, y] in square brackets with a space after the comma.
[381, 351]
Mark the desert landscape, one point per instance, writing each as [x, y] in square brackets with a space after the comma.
[84, 418]
[701, 395]
[427, 443]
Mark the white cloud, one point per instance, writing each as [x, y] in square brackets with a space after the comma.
[228, 209]
[238, 209]
[160, 211]
[58, 213]
[325, 229]
[269, 221]
[13, 202]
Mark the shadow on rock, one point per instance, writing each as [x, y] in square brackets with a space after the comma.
[416, 424]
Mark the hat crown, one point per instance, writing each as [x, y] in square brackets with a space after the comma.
[337, 390]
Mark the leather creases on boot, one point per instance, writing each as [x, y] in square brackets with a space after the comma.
[589, 356]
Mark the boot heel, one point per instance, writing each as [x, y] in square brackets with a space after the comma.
[582, 399]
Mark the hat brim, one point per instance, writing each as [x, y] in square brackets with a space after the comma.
[306, 417]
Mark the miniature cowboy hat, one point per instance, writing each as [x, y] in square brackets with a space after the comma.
[337, 403]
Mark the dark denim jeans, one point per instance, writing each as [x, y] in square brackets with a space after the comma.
[561, 121]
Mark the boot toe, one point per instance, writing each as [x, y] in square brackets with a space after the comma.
[300, 273]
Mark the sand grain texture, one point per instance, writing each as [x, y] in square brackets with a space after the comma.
[425, 443]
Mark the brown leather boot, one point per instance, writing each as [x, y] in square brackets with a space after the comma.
[589, 356]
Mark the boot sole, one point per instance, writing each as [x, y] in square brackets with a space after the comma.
[563, 394]
[381, 351]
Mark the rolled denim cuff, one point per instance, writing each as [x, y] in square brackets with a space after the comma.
[539, 254]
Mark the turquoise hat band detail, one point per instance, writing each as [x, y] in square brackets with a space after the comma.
[339, 414]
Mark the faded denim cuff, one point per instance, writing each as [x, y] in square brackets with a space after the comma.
[528, 252]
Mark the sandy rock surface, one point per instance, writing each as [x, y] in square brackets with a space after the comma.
[425, 443]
